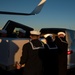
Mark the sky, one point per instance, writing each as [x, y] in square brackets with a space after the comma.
[54, 14]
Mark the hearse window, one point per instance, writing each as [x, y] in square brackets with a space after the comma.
[20, 33]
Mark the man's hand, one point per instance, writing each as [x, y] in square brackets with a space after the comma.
[18, 66]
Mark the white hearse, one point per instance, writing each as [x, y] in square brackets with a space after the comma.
[11, 46]
[70, 37]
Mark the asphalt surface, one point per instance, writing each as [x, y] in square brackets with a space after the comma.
[71, 72]
[12, 72]
[19, 72]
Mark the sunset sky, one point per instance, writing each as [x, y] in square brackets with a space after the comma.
[55, 13]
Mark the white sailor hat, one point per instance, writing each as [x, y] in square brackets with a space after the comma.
[3, 31]
[34, 32]
[23, 31]
[61, 33]
[46, 35]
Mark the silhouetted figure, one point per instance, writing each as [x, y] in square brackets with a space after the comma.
[62, 44]
[49, 56]
[30, 55]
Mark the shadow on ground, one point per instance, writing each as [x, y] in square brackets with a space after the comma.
[12, 72]
[71, 72]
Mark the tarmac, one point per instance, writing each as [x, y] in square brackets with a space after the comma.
[71, 71]
[19, 72]
[12, 72]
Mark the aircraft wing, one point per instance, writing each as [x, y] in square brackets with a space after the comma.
[35, 11]
[39, 7]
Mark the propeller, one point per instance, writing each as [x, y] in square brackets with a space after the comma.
[35, 11]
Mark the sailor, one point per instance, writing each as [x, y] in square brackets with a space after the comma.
[62, 44]
[50, 56]
[30, 55]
